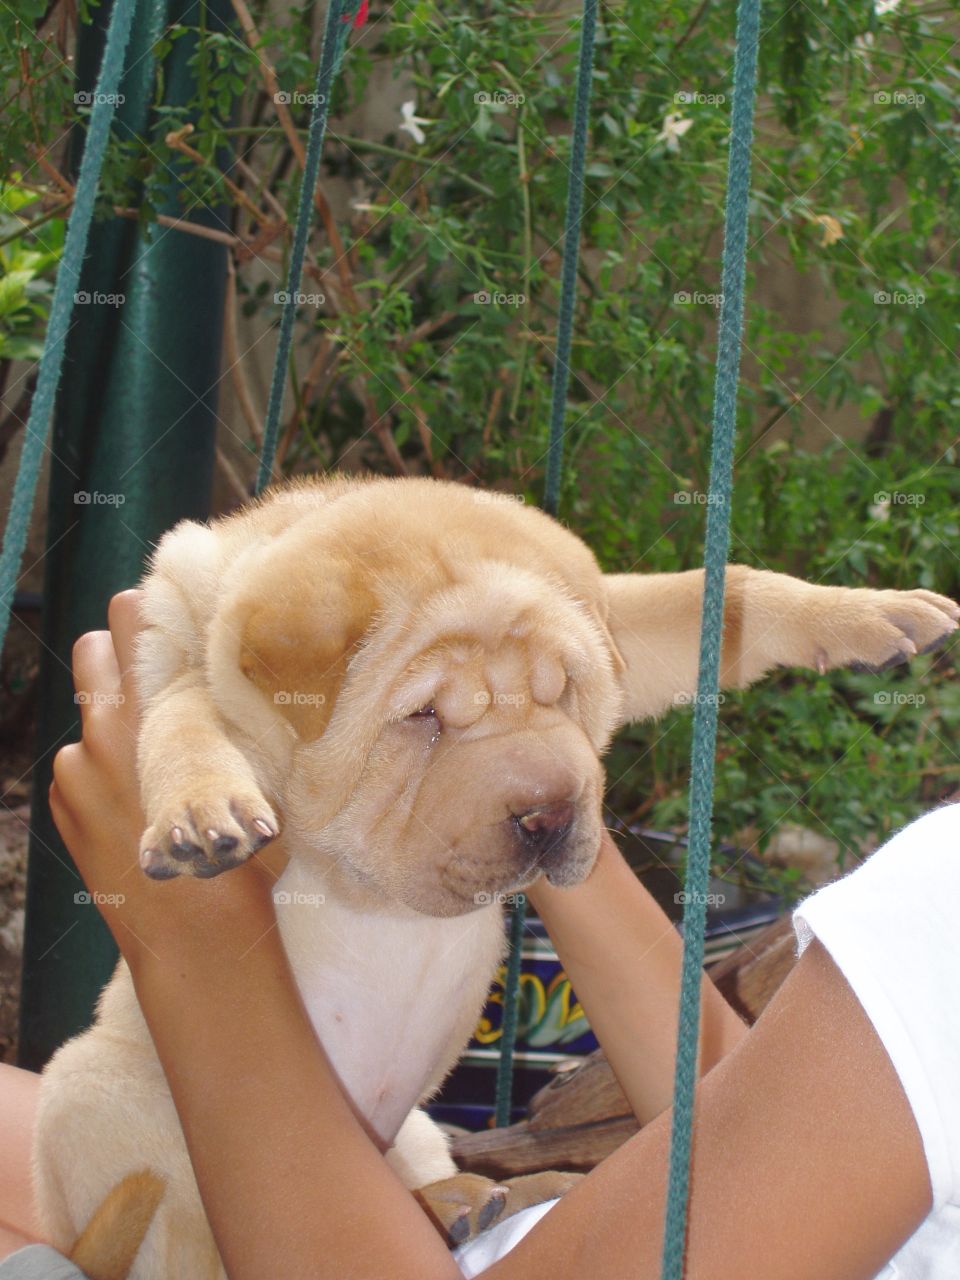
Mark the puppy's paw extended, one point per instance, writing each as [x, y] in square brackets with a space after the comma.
[207, 833]
[873, 630]
[466, 1204]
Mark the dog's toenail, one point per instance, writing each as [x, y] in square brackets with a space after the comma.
[491, 1210]
[264, 827]
[176, 835]
[459, 1230]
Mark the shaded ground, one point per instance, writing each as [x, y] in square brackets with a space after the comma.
[18, 689]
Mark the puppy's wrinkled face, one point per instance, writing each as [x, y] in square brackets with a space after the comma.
[460, 758]
[486, 783]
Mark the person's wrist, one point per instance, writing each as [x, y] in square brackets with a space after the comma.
[541, 894]
[174, 920]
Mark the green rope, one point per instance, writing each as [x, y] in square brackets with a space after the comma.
[711, 630]
[551, 498]
[511, 1007]
[334, 42]
[61, 307]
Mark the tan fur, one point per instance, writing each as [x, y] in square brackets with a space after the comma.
[288, 649]
[110, 1241]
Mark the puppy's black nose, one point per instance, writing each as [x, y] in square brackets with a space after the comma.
[545, 828]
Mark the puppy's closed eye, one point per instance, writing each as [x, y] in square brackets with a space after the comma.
[425, 713]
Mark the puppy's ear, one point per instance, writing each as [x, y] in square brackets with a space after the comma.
[289, 636]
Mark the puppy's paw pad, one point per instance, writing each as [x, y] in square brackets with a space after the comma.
[204, 836]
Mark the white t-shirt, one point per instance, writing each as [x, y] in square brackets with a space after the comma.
[906, 979]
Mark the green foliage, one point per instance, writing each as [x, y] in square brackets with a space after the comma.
[27, 261]
[855, 187]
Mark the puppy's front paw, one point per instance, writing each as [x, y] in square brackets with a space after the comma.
[207, 833]
[873, 630]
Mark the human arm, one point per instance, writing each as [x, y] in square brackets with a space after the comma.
[787, 1131]
[287, 1174]
[623, 958]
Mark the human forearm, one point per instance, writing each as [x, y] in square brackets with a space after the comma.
[623, 957]
[290, 1182]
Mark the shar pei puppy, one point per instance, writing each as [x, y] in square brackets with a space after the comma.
[415, 681]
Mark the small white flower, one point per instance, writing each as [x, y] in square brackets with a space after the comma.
[880, 7]
[411, 123]
[674, 127]
[879, 510]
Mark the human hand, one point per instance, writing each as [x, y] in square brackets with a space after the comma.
[95, 803]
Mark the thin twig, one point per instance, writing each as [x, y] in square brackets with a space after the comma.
[233, 477]
[269, 77]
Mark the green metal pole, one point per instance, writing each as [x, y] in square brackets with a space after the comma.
[132, 453]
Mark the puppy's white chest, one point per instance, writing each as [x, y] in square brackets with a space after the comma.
[392, 998]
